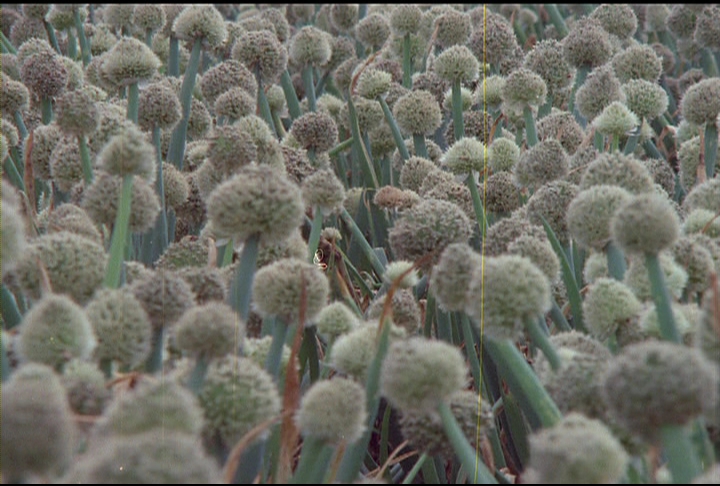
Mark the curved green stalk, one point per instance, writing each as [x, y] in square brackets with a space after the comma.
[84, 44]
[174, 57]
[523, 382]
[176, 151]
[557, 316]
[407, 62]
[477, 204]
[274, 356]
[661, 297]
[119, 235]
[307, 76]
[615, 261]
[85, 159]
[580, 76]
[364, 245]
[264, 105]
[13, 173]
[314, 462]
[10, 314]
[542, 341]
[457, 111]
[470, 350]
[155, 241]
[290, 95]
[557, 20]
[7, 45]
[71, 44]
[51, 36]
[371, 180]
[341, 147]
[530, 130]
[711, 149]
[397, 136]
[682, 459]
[477, 471]
[314, 238]
[241, 287]
[22, 129]
[708, 63]
[409, 479]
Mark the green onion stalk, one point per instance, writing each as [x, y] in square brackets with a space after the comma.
[661, 297]
[176, 150]
[84, 44]
[119, 235]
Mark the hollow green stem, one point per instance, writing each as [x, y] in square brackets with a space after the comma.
[523, 382]
[290, 95]
[420, 146]
[314, 462]
[307, 76]
[264, 105]
[241, 287]
[198, 373]
[708, 62]
[84, 44]
[20, 123]
[174, 57]
[661, 297]
[397, 136]
[711, 149]
[409, 479]
[477, 204]
[13, 173]
[341, 147]
[407, 62]
[274, 356]
[682, 459]
[85, 159]
[47, 111]
[119, 235]
[155, 241]
[541, 339]
[557, 316]
[176, 151]
[557, 20]
[457, 111]
[371, 180]
[362, 241]
[580, 76]
[51, 36]
[10, 314]
[155, 359]
[475, 367]
[530, 130]
[615, 143]
[615, 261]
[133, 102]
[314, 238]
[477, 471]
[7, 45]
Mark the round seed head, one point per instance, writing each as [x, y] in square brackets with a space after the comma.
[647, 223]
[54, 331]
[637, 62]
[540, 252]
[547, 60]
[608, 305]
[698, 219]
[701, 102]
[335, 320]
[149, 17]
[418, 374]
[152, 406]
[617, 169]
[704, 196]
[33, 46]
[465, 156]
[176, 186]
[158, 106]
[417, 112]
[352, 353]
[516, 290]
[428, 226]
[501, 193]
[37, 424]
[309, 47]
[84, 384]
[373, 83]
[616, 120]
[542, 163]
[234, 104]
[15, 96]
[128, 153]
[44, 74]
[208, 284]
[343, 16]
[453, 28]
[493, 39]
[35, 10]
[561, 125]
[616, 19]
[414, 172]
[426, 432]
[26, 28]
[644, 98]
[600, 89]
[65, 166]
[405, 19]
[261, 52]
[211, 330]
[707, 27]
[333, 411]
[257, 201]
[283, 287]
[324, 191]
[74, 266]
[689, 160]
[394, 270]
[315, 131]
[405, 310]
[574, 386]
[373, 31]
[227, 75]
[77, 113]
[636, 277]
[658, 383]
[524, 87]
[200, 121]
[100, 200]
[650, 328]
[72, 218]
[506, 230]
[576, 449]
[589, 214]
[503, 154]
[236, 396]
[148, 457]
[165, 296]
[230, 149]
[456, 64]
[186, 253]
[697, 262]
[587, 44]
[130, 61]
[201, 22]
[121, 325]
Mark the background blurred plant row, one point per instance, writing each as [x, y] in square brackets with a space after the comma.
[343, 242]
